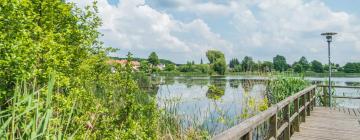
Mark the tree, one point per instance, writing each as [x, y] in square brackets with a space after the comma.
[201, 61]
[304, 63]
[247, 64]
[39, 38]
[220, 66]
[234, 62]
[316, 66]
[144, 66]
[217, 61]
[213, 55]
[170, 67]
[352, 68]
[42, 37]
[266, 66]
[280, 63]
[153, 59]
[298, 68]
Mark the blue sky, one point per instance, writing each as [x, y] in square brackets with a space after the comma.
[183, 30]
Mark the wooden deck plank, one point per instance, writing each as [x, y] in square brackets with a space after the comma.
[328, 124]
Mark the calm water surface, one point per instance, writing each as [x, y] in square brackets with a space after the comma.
[189, 98]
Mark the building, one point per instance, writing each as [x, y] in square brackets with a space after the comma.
[135, 64]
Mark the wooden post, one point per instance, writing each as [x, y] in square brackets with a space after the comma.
[314, 100]
[308, 108]
[286, 114]
[248, 136]
[325, 97]
[296, 120]
[303, 114]
[273, 126]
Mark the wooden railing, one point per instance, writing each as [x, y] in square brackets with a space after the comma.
[303, 101]
[326, 95]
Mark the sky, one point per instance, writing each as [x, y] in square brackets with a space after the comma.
[183, 30]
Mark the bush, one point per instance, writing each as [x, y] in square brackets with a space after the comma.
[281, 87]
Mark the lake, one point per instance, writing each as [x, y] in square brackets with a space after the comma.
[189, 98]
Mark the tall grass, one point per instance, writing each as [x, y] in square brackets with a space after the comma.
[29, 115]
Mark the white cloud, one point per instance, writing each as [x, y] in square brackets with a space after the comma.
[292, 28]
[262, 28]
[136, 27]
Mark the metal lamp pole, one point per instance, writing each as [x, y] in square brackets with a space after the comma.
[328, 36]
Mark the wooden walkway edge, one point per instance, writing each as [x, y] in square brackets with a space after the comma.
[305, 122]
[330, 124]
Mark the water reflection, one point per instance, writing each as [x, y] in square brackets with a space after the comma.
[197, 106]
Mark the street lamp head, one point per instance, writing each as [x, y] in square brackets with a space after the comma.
[328, 35]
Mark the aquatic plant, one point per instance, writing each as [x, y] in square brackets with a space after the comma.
[214, 92]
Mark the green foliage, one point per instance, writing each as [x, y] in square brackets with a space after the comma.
[352, 68]
[280, 63]
[38, 37]
[88, 98]
[31, 115]
[301, 66]
[247, 64]
[304, 63]
[153, 59]
[170, 67]
[162, 61]
[144, 66]
[215, 92]
[217, 61]
[298, 68]
[219, 66]
[316, 66]
[234, 62]
[214, 55]
[237, 68]
[195, 68]
[266, 66]
[281, 87]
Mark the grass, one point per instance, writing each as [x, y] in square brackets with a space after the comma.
[30, 113]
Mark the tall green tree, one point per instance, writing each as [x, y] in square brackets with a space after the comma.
[217, 61]
[266, 66]
[316, 66]
[280, 63]
[247, 64]
[214, 55]
[352, 68]
[170, 67]
[153, 59]
[298, 68]
[304, 63]
[233, 62]
[41, 37]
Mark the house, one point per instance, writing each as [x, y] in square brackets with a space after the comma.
[135, 64]
[161, 66]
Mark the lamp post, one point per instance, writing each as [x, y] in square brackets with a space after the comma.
[328, 36]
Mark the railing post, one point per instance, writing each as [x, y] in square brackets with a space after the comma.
[296, 120]
[303, 114]
[273, 126]
[248, 136]
[325, 97]
[313, 98]
[308, 107]
[287, 119]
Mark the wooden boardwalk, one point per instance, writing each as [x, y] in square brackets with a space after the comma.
[306, 122]
[330, 124]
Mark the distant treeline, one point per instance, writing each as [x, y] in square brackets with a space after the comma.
[217, 64]
[162, 61]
